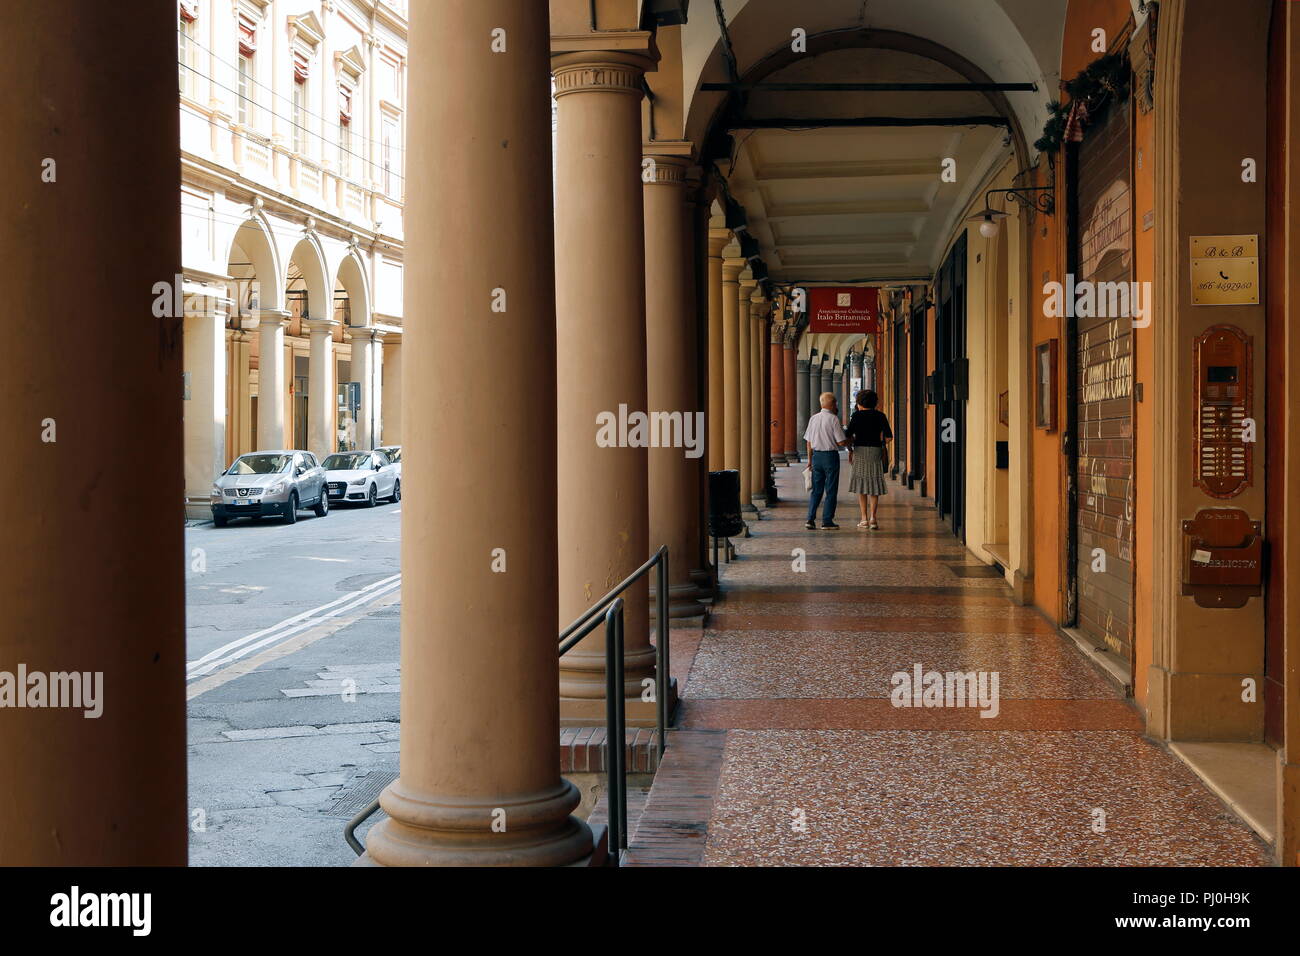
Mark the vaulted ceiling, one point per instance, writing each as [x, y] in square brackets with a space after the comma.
[832, 199]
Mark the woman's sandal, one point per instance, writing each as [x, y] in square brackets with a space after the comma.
[873, 526]
[862, 523]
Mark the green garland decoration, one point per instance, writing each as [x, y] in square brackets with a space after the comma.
[1106, 77]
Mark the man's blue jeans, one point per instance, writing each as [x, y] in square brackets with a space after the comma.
[825, 481]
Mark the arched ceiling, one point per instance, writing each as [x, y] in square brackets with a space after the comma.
[843, 203]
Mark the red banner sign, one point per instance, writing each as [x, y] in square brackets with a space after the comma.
[843, 309]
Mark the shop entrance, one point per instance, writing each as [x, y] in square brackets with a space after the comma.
[1100, 404]
[951, 388]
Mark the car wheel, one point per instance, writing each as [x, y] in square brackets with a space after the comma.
[220, 521]
[291, 513]
[396, 496]
[372, 498]
[323, 506]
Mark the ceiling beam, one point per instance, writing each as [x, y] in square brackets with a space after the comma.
[812, 122]
[871, 87]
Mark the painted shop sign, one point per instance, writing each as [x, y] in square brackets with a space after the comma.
[1107, 229]
[843, 309]
[1225, 270]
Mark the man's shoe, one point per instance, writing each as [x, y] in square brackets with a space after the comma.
[830, 526]
[811, 525]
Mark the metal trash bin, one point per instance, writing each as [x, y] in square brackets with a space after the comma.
[724, 504]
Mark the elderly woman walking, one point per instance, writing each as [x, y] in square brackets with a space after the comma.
[870, 434]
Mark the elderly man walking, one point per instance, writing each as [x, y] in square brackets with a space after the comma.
[825, 437]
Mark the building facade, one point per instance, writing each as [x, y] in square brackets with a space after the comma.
[292, 183]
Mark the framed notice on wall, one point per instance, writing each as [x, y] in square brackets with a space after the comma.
[1045, 385]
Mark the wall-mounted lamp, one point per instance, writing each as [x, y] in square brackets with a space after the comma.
[1034, 198]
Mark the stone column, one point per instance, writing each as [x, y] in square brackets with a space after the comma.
[671, 367]
[814, 385]
[94, 546]
[321, 392]
[855, 371]
[204, 407]
[480, 782]
[600, 306]
[698, 203]
[745, 396]
[837, 384]
[803, 390]
[236, 398]
[366, 346]
[271, 389]
[827, 377]
[718, 239]
[777, 428]
[758, 311]
[731, 268]
[391, 392]
[792, 393]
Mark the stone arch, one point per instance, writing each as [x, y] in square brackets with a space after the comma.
[350, 278]
[306, 270]
[253, 264]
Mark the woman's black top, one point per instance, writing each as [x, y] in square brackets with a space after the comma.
[868, 427]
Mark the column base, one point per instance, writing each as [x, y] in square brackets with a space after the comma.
[590, 712]
[426, 830]
[779, 460]
[792, 457]
[759, 500]
[683, 601]
[704, 583]
[748, 508]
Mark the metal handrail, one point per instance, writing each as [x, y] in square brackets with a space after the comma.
[615, 702]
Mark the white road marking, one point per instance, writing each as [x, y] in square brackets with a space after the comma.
[308, 557]
[287, 647]
[290, 626]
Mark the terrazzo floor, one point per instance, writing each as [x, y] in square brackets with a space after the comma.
[792, 747]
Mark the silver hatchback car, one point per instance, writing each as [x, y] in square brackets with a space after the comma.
[264, 483]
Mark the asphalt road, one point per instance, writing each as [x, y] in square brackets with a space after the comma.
[292, 686]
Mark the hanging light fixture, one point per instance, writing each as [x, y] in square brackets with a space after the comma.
[988, 218]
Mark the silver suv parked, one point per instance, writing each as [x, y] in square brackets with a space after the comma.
[264, 483]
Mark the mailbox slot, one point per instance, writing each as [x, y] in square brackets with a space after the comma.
[1223, 558]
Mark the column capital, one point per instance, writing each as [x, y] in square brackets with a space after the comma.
[747, 284]
[791, 336]
[270, 318]
[365, 333]
[601, 70]
[731, 269]
[777, 334]
[321, 326]
[666, 170]
[719, 237]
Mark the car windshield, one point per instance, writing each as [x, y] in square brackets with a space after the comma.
[347, 462]
[259, 465]
[394, 454]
